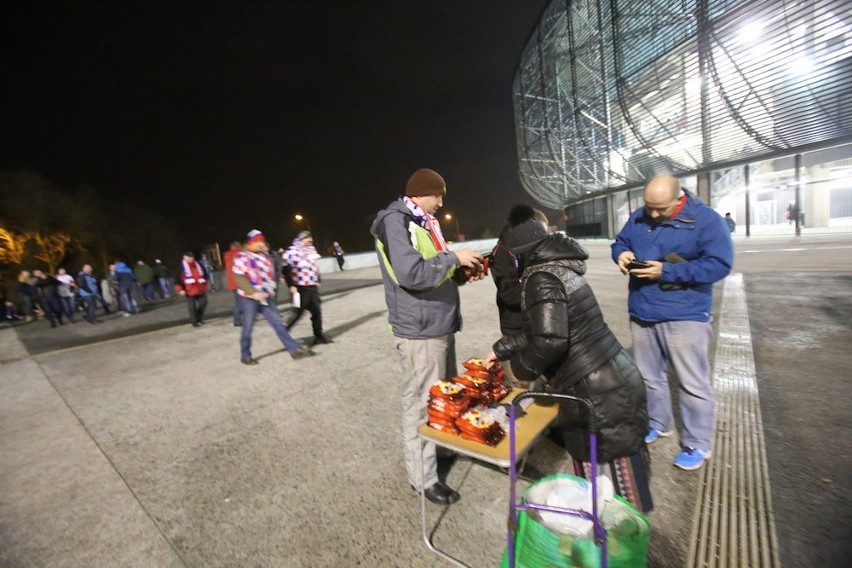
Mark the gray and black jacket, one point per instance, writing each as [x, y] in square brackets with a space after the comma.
[421, 293]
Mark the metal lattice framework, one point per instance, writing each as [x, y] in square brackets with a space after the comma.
[611, 92]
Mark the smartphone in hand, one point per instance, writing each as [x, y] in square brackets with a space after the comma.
[637, 264]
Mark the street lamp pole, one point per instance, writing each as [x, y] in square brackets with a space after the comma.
[450, 217]
[299, 217]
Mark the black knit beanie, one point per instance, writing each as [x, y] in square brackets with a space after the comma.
[523, 231]
[425, 182]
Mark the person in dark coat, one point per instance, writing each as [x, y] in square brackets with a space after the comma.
[47, 288]
[507, 279]
[566, 340]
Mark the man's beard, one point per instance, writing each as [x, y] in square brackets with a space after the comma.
[655, 222]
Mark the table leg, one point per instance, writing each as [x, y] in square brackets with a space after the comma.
[427, 538]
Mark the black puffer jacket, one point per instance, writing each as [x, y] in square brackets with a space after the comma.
[566, 339]
[505, 275]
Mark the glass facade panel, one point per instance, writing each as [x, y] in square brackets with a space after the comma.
[611, 92]
[621, 209]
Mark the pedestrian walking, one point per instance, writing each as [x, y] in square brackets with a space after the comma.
[191, 283]
[301, 271]
[255, 276]
[338, 254]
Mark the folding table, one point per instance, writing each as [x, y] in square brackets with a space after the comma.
[528, 430]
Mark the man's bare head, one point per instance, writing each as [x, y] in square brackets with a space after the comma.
[662, 194]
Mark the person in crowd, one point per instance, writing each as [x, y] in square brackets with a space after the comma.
[191, 283]
[125, 281]
[47, 289]
[732, 225]
[207, 263]
[231, 283]
[278, 269]
[8, 313]
[792, 212]
[685, 247]
[161, 271]
[103, 297]
[88, 286]
[144, 275]
[507, 278]
[67, 293]
[255, 277]
[301, 272]
[421, 276]
[109, 289]
[338, 253]
[26, 295]
[564, 339]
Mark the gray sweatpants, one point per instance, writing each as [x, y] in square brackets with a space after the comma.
[424, 362]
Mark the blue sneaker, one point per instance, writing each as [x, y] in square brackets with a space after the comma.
[654, 435]
[691, 458]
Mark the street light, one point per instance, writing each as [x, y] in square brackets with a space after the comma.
[301, 218]
[449, 217]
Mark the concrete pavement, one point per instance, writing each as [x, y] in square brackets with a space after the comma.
[144, 442]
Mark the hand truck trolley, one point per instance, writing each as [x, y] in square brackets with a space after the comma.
[515, 506]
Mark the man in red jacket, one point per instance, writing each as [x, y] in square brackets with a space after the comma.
[191, 282]
[231, 283]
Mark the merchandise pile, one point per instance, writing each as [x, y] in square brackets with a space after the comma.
[460, 406]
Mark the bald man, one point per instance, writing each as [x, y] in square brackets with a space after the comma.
[674, 249]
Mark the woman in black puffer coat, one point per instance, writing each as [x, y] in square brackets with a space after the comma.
[566, 340]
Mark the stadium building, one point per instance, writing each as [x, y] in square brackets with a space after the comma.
[748, 102]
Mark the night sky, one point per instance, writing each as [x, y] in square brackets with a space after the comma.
[228, 116]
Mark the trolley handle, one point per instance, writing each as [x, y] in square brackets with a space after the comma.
[599, 530]
[593, 426]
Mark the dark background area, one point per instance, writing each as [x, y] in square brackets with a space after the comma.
[225, 117]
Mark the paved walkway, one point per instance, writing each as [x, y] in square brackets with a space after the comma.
[143, 442]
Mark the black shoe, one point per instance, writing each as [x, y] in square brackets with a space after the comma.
[196, 324]
[238, 325]
[202, 322]
[301, 353]
[440, 494]
[249, 361]
[322, 339]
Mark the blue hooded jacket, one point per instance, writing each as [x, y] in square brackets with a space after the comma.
[123, 275]
[698, 244]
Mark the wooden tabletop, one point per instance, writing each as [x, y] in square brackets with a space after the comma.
[528, 428]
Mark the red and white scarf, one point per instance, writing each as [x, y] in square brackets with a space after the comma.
[428, 222]
[188, 277]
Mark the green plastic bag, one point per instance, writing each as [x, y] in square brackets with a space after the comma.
[628, 536]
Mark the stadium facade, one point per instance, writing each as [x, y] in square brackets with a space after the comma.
[749, 102]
